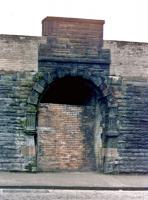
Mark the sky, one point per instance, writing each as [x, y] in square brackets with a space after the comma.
[125, 20]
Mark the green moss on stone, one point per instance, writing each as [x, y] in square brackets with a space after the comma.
[38, 76]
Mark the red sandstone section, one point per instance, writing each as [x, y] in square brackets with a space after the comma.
[73, 37]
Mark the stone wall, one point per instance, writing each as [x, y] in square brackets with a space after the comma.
[125, 151]
[19, 53]
[130, 62]
[71, 37]
[14, 90]
[128, 59]
[18, 66]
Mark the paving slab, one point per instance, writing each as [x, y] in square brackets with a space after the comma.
[73, 180]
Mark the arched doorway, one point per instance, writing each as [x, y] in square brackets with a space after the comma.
[69, 126]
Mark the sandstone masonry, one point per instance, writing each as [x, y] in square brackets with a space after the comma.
[71, 101]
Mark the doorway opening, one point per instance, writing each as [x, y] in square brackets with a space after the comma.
[69, 126]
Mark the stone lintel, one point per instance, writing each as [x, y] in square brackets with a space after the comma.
[103, 57]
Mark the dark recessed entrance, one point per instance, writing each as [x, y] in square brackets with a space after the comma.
[69, 90]
[69, 133]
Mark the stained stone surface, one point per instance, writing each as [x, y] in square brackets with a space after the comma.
[118, 72]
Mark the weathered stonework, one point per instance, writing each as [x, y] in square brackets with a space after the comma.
[19, 53]
[72, 38]
[44, 127]
[129, 61]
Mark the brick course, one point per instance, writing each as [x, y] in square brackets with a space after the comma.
[62, 143]
[19, 53]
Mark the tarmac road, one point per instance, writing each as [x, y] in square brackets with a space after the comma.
[45, 194]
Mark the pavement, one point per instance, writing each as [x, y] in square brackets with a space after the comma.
[73, 180]
[40, 194]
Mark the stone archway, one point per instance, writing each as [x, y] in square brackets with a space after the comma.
[69, 130]
[45, 79]
[103, 98]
